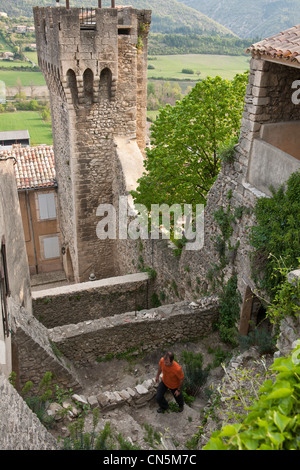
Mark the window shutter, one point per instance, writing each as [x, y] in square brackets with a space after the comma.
[47, 207]
[51, 247]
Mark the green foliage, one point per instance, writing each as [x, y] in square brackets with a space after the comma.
[184, 160]
[194, 375]
[227, 149]
[286, 298]
[152, 437]
[220, 357]
[259, 337]
[155, 302]
[188, 71]
[80, 440]
[37, 403]
[161, 93]
[276, 235]
[195, 43]
[229, 311]
[274, 419]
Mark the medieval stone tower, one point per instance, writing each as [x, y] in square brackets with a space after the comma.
[95, 64]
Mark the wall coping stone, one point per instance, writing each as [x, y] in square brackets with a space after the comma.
[84, 286]
[254, 190]
[162, 313]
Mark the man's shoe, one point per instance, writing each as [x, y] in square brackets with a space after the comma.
[180, 409]
[161, 410]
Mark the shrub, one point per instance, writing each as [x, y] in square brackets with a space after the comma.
[188, 71]
[259, 337]
[194, 375]
[276, 235]
[274, 419]
[229, 311]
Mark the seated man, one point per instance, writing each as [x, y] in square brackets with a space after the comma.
[172, 380]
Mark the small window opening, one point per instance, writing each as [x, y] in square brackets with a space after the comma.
[88, 84]
[87, 19]
[125, 31]
[105, 84]
[72, 84]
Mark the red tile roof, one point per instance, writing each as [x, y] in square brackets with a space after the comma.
[34, 167]
[284, 45]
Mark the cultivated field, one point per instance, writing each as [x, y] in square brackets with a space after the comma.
[169, 67]
[39, 131]
[10, 77]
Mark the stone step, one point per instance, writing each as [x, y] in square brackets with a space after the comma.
[137, 396]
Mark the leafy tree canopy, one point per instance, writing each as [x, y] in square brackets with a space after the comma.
[187, 140]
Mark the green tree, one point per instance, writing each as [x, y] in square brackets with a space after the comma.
[186, 138]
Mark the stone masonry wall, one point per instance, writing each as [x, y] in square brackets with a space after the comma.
[34, 354]
[91, 300]
[98, 89]
[87, 342]
[20, 428]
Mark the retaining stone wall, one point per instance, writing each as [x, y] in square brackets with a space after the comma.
[142, 331]
[91, 300]
[34, 355]
[20, 428]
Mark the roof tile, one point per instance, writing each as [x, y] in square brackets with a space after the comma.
[34, 166]
[284, 45]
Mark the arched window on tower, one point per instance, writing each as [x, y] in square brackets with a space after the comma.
[88, 85]
[105, 84]
[72, 84]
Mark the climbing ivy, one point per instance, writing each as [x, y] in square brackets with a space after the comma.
[228, 292]
[276, 236]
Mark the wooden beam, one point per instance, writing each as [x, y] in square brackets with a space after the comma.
[246, 312]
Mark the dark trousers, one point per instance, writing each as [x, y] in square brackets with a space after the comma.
[160, 396]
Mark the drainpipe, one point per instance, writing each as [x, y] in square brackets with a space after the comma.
[31, 230]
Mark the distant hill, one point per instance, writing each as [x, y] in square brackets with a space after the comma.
[251, 18]
[169, 16]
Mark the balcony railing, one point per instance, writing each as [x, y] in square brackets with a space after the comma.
[113, 4]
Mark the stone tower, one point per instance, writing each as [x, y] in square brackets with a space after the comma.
[95, 64]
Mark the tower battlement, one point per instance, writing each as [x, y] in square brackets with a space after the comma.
[76, 46]
[94, 61]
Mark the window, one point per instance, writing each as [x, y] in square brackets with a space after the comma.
[46, 204]
[4, 288]
[51, 247]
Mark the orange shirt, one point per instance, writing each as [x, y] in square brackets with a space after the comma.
[172, 375]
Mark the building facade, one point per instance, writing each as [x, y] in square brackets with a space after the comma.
[34, 170]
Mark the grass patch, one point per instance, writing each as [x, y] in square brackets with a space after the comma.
[31, 55]
[152, 115]
[39, 131]
[8, 64]
[10, 77]
[169, 67]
